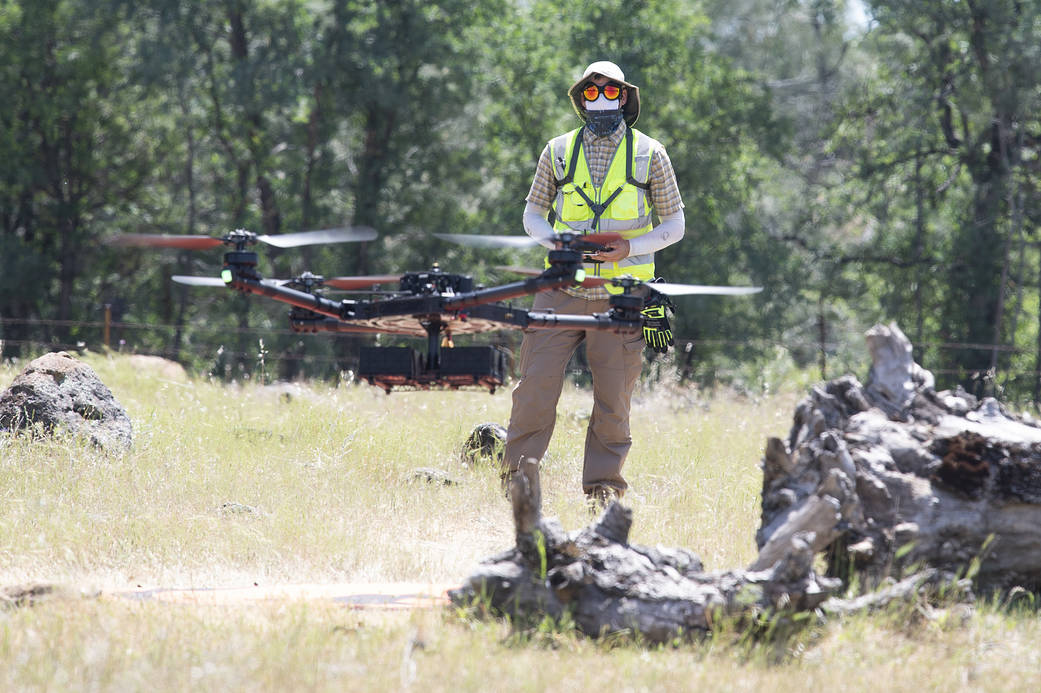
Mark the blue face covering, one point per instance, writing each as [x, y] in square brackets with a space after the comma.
[603, 123]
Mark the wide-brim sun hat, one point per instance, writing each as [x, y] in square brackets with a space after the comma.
[631, 109]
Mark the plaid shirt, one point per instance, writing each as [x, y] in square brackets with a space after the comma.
[599, 152]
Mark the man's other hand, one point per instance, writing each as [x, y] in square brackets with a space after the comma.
[618, 250]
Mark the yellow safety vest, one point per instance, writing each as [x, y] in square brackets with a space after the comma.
[621, 203]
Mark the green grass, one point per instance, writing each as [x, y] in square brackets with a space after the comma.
[229, 485]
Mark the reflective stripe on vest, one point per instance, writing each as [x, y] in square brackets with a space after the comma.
[623, 206]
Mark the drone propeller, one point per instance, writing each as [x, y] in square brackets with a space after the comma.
[364, 282]
[163, 240]
[307, 280]
[488, 241]
[241, 237]
[661, 287]
[197, 281]
[527, 271]
[342, 235]
[678, 289]
[591, 242]
[214, 281]
[702, 289]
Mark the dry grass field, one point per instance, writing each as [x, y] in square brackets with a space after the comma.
[235, 485]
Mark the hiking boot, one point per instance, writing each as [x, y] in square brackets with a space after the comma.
[601, 496]
[505, 479]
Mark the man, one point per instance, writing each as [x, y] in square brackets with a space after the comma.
[605, 176]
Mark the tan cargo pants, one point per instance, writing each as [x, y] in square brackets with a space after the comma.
[615, 361]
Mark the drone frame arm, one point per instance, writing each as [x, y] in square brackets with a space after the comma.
[552, 278]
[301, 299]
[611, 321]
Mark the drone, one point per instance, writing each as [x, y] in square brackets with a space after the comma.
[430, 304]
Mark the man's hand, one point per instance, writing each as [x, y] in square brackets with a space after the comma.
[618, 250]
[657, 332]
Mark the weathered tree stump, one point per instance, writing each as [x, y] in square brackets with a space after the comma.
[894, 475]
[58, 392]
[608, 585]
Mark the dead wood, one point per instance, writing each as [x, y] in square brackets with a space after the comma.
[608, 585]
[918, 477]
[890, 480]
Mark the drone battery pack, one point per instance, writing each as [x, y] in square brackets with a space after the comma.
[397, 367]
[389, 362]
[477, 362]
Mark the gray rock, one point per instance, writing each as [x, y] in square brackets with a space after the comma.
[432, 476]
[59, 393]
[486, 443]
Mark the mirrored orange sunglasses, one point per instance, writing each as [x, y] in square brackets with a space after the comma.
[592, 91]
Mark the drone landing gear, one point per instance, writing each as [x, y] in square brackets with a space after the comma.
[450, 367]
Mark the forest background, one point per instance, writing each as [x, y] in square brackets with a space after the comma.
[863, 161]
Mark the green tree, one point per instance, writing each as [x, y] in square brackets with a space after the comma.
[954, 116]
[76, 158]
[808, 58]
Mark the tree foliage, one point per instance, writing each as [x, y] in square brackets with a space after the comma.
[860, 172]
[945, 140]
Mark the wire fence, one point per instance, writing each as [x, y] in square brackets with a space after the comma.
[215, 348]
[128, 337]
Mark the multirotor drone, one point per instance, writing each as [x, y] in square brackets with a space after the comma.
[431, 304]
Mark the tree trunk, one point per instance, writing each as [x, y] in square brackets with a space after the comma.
[1037, 354]
[314, 121]
[189, 227]
[919, 248]
[271, 218]
[372, 174]
[822, 337]
[68, 258]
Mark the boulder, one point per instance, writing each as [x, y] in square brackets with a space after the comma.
[157, 365]
[486, 444]
[59, 393]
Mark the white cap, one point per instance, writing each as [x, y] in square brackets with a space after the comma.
[631, 109]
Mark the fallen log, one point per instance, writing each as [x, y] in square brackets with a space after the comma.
[608, 585]
[919, 477]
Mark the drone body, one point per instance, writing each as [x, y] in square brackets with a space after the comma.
[430, 304]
